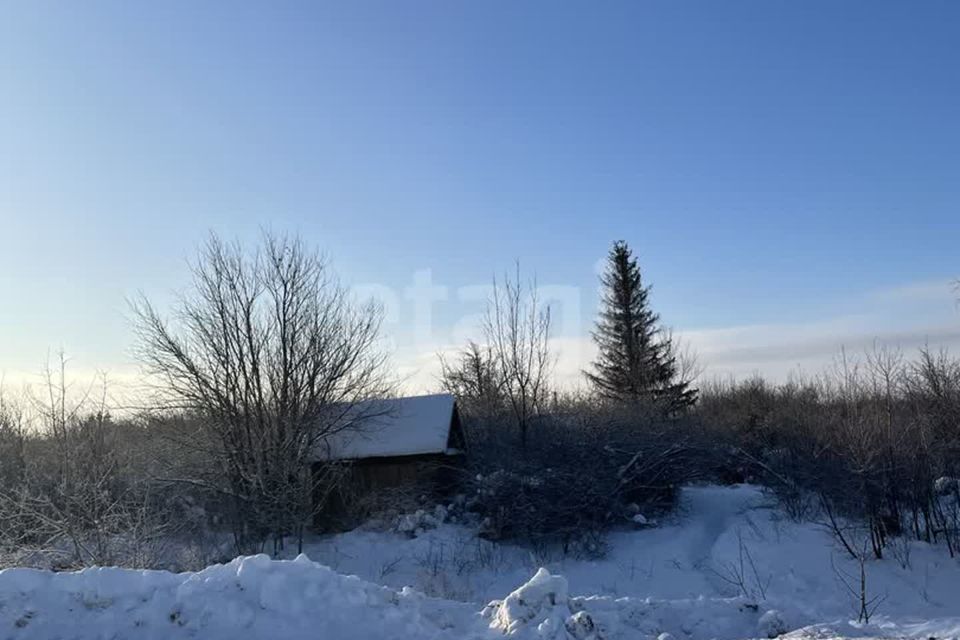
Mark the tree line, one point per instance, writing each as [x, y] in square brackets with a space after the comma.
[266, 355]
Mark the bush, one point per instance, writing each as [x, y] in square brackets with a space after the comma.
[867, 441]
[583, 471]
[79, 487]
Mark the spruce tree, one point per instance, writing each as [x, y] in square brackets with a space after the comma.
[636, 360]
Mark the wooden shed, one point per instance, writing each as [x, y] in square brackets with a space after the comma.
[411, 446]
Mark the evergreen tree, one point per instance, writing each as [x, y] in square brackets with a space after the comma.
[637, 360]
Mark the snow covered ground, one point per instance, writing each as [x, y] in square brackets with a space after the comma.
[692, 577]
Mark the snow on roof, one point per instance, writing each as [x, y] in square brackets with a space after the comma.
[400, 427]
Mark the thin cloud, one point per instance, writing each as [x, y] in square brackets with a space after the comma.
[910, 317]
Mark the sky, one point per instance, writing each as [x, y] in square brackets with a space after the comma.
[788, 173]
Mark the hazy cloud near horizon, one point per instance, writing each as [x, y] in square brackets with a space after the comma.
[908, 317]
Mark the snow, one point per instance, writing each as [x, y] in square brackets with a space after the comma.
[542, 598]
[772, 624]
[677, 573]
[251, 597]
[945, 485]
[397, 427]
[671, 581]
[416, 523]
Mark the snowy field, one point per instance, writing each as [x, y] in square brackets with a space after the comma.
[728, 565]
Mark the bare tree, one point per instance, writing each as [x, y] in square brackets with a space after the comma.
[856, 585]
[875, 441]
[473, 377]
[13, 437]
[517, 329]
[688, 369]
[70, 496]
[272, 356]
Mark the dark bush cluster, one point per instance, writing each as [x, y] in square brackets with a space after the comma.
[876, 441]
[583, 470]
[79, 487]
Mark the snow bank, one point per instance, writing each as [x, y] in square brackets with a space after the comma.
[543, 600]
[542, 608]
[255, 597]
[252, 597]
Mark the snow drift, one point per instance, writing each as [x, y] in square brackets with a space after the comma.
[542, 608]
[256, 597]
[251, 597]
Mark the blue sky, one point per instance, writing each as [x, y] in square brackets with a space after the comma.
[788, 172]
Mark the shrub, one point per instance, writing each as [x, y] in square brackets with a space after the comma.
[583, 471]
[867, 441]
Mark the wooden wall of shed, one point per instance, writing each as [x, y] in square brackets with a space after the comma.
[379, 484]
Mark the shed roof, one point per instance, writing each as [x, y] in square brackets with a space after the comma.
[400, 427]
